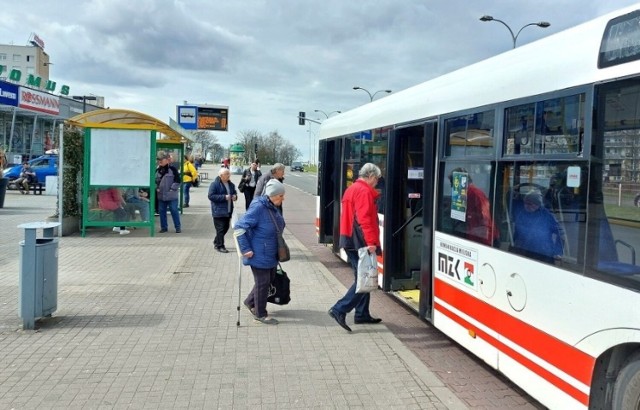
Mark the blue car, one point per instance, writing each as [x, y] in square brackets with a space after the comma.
[44, 166]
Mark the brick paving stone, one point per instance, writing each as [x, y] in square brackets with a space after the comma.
[151, 323]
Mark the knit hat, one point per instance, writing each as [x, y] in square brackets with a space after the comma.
[273, 188]
[534, 196]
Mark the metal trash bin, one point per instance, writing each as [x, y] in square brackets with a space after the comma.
[4, 184]
[38, 292]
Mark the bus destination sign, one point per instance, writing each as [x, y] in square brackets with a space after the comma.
[203, 117]
[621, 41]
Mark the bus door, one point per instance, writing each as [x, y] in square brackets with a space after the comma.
[407, 172]
[328, 200]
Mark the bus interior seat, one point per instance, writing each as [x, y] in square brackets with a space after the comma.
[608, 257]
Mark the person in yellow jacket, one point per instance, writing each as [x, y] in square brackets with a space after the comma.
[189, 175]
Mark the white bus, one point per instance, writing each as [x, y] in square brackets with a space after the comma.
[507, 210]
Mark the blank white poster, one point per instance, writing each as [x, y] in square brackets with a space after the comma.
[120, 157]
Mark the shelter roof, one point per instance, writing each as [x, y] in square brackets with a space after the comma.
[126, 119]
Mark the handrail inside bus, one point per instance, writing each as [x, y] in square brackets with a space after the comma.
[404, 225]
[329, 204]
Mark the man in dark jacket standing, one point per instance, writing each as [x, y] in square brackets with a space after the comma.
[167, 192]
[250, 178]
[359, 228]
[222, 194]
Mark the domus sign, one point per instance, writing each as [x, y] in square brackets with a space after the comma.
[36, 82]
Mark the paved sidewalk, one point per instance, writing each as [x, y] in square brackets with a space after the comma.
[151, 323]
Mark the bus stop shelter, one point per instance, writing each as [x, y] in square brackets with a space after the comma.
[120, 151]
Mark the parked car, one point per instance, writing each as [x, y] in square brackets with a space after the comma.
[297, 166]
[44, 166]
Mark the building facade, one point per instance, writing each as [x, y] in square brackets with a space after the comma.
[31, 104]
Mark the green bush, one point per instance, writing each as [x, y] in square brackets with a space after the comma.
[72, 180]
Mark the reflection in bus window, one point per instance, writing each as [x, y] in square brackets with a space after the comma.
[362, 147]
[614, 238]
[465, 205]
[553, 126]
[470, 134]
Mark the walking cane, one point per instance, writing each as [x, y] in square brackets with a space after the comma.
[235, 240]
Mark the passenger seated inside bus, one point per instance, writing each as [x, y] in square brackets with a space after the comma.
[536, 232]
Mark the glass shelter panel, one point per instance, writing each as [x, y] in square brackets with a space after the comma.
[119, 204]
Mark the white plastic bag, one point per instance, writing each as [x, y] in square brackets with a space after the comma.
[367, 278]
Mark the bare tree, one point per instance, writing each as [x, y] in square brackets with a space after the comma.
[207, 142]
[269, 149]
[250, 139]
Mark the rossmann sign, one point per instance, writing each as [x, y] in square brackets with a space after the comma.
[38, 101]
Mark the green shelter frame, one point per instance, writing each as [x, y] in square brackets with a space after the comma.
[120, 151]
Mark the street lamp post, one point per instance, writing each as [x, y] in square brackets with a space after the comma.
[327, 115]
[371, 96]
[542, 24]
[84, 99]
[312, 146]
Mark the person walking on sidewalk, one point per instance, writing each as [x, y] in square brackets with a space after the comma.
[277, 172]
[358, 229]
[222, 194]
[257, 234]
[250, 176]
[167, 192]
[189, 176]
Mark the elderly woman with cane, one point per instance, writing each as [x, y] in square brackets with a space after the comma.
[257, 233]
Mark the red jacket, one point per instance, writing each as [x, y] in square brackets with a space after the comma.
[480, 226]
[109, 199]
[359, 203]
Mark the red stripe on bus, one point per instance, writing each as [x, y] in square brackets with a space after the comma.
[537, 369]
[570, 360]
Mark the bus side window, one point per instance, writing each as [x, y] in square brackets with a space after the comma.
[544, 218]
[466, 208]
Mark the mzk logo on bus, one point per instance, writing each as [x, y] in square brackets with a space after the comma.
[457, 263]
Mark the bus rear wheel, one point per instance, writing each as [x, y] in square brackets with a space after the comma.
[636, 200]
[626, 393]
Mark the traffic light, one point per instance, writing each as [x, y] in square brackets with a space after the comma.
[255, 148]
[301, 116]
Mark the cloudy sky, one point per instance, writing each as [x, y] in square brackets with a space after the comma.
[269, 59]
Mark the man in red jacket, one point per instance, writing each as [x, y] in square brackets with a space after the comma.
[359, 228]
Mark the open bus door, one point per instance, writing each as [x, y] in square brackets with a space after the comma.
[408, 210]
[328, 184]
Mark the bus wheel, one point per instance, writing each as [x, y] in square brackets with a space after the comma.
[636, 200]
[626, 392]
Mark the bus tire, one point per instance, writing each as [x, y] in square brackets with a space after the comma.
[626, 392]
[636, 200]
